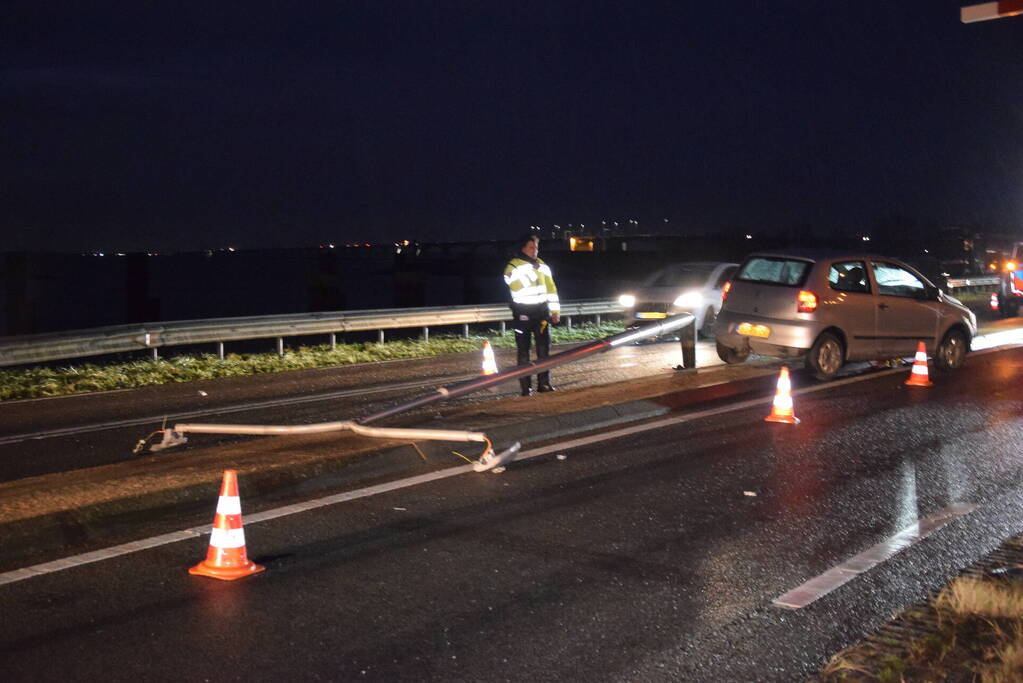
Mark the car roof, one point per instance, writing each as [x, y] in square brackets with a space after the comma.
[824, 255]
[699, 264]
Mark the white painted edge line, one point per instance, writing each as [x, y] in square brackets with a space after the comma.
[824, 583]
[194, 532]
[185, 534]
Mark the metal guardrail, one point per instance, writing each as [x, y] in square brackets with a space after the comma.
[40, 348]
[978, 282]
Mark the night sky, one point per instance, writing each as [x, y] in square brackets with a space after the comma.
[136, 126]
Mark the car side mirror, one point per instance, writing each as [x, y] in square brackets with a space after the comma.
[932, 293]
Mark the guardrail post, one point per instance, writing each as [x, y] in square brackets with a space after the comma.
[333, 342]
[568, 321]
[502, 327]
[597, 319]
[465, 330]
[280, 346]
[156, 353]
[220, 350]
[380, 336]
[426, 334]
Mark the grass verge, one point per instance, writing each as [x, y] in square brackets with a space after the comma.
[88, 377]
[971, 631]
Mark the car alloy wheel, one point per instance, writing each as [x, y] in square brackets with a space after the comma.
[826, 356]
[730, 355]
[951, 350]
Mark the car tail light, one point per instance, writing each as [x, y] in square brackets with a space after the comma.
[807, 301]
[724, 290]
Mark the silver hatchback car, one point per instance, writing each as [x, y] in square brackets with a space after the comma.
[834, 308]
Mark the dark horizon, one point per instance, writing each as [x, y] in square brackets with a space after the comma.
[193, 127]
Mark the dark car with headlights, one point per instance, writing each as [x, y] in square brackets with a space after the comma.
[691, 287]
[834, 308]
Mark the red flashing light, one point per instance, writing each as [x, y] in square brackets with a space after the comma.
[724, 290]
[807, 301]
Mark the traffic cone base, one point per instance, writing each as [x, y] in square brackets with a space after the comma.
[226, 558]
[787, 419]
[226, 573]
[918, 376]
[781, 408]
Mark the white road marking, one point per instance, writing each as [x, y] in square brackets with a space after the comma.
[185, 534]
[822, 584]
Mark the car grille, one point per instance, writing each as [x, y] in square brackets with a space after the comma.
[652, 307]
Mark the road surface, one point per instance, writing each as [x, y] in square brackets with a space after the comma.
[655, 552]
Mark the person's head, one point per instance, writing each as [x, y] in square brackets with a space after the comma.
[530, 245]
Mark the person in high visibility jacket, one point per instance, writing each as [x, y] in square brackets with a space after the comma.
[535, 306]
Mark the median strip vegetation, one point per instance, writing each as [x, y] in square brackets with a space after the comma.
[972, 630]
[88, 377]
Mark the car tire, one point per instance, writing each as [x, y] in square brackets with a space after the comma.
[826, 357]
[952, 350]
[707, 331]
[730, 355]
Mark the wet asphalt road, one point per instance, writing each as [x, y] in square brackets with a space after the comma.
[638, 558]
[101, 429]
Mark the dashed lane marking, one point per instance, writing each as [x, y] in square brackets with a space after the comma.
[822, 584]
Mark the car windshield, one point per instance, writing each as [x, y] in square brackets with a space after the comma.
[774, 270]
[679, 276]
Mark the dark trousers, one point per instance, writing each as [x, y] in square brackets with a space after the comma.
[525, 332]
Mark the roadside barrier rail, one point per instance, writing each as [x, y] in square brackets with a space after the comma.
[973, 284]
[41, 348]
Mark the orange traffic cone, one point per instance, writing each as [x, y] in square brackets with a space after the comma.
[226, 558]
[489, 362]
[781, 409]
[918, 378]
[994, 302]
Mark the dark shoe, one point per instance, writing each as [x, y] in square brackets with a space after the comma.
[543, 388]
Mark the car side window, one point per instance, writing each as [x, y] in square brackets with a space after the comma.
[893, 280]
[774, 271]
[849, 276]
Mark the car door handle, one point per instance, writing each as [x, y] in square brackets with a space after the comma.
[883, 307]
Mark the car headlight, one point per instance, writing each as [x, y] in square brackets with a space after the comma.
[688, 301]
[627, 300]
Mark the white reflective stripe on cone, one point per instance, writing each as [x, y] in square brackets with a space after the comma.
[783, 402]
[227, 538]
[919, 369]
[229, 505]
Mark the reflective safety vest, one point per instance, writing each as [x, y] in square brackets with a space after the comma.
[531, 285]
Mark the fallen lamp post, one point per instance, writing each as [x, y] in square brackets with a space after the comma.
[175, 435]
